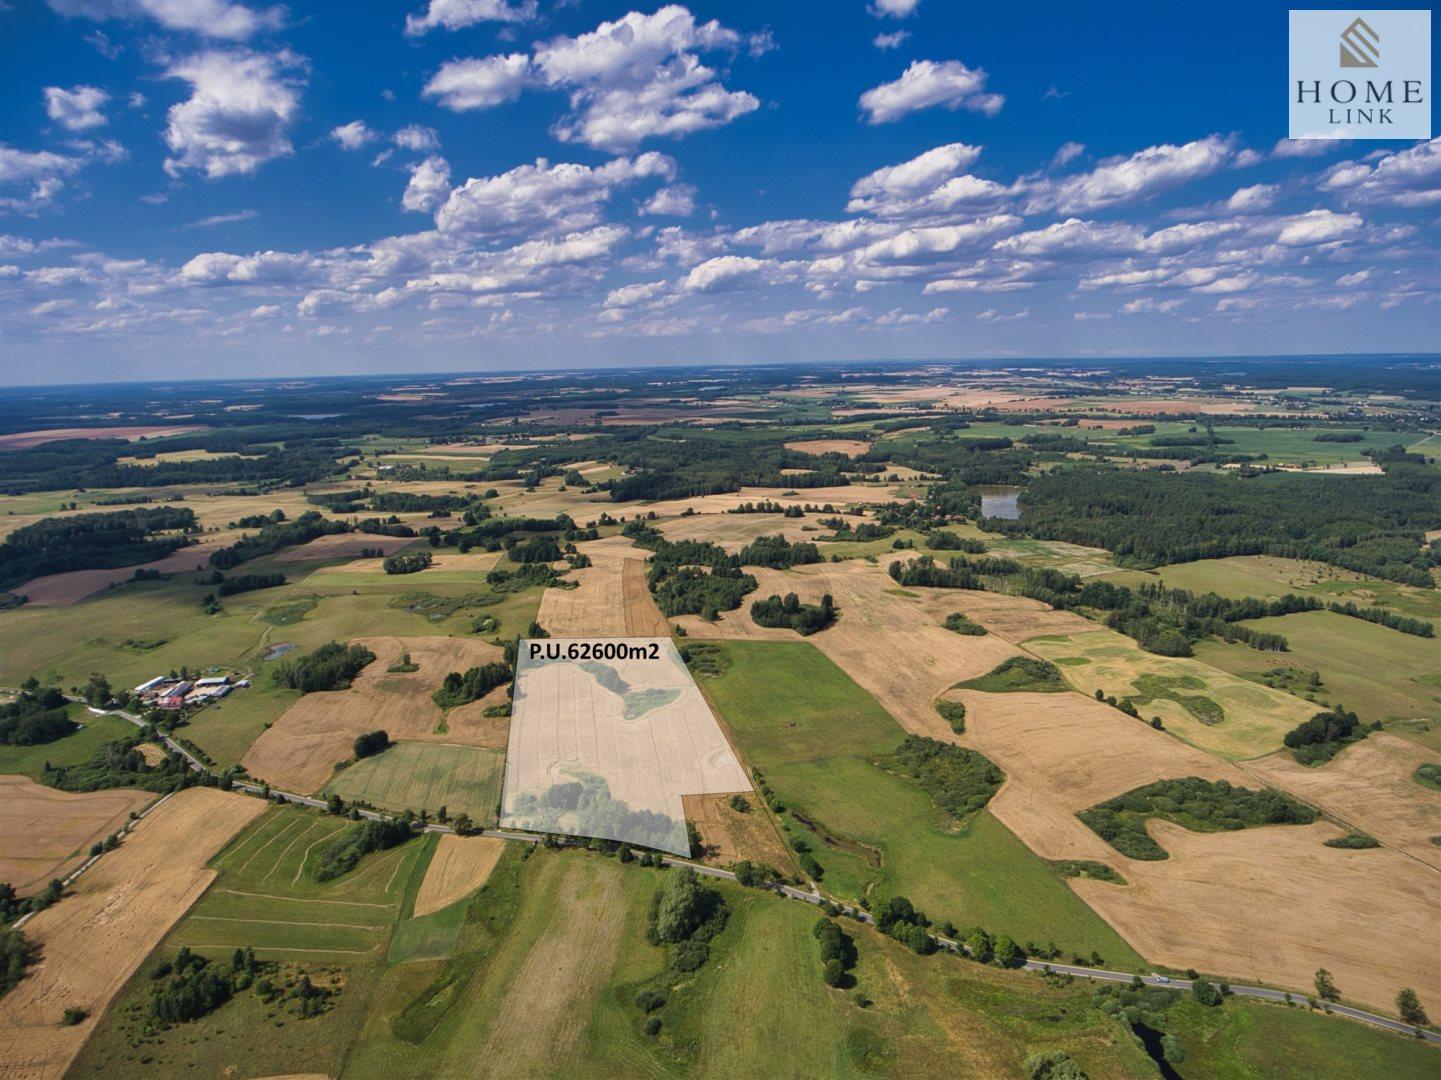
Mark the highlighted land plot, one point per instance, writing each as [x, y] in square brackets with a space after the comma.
[606, 736]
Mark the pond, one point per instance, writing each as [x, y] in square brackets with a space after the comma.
[1000, 501]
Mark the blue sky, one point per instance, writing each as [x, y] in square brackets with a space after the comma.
[205, 187]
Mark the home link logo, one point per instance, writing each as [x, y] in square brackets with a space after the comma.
[1360, 46]
[1360, 75]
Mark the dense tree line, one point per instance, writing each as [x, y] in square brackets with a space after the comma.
[332, 666]
[273, 537]
[1369, 524]
[17, 952]
[92, 463]
[777, 553]
[121, 764]
[242, 583]
[678, 463]
[56, 545]
[38, 715]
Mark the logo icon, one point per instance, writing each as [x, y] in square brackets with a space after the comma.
[1360, 45]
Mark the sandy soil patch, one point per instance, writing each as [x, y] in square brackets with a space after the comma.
[1369, 787]
[730, 835]
[45, 833]
[300, 750]
[22, 440]
[1275, 904]
[460, 865]
[61, 590]
[94, 940]
[849, 447]
[888, 639]
[341, 546]
[612, 600]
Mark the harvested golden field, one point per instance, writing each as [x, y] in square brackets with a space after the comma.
[341, 546]
[93, 941]
[1261, 903]
[61, 590]
[735, 531]
[849, 447]
[152, 753]
[1011, 618]
[460, 865]
[1219, 712]
[1369, 787]
[730, 835]
[301, 749]
[45, 833]
[612, 600]
[888, 639]
[1275, 904]
[1067, 752]
[839, 496]
[445, 560]
[23, 440]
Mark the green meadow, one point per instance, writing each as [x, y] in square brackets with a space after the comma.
[813, 732]
[417, 775]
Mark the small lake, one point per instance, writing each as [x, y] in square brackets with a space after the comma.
[1000, 501]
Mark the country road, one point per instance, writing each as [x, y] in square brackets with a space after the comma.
[1101, 974]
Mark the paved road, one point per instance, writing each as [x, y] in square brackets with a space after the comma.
[1100, 974]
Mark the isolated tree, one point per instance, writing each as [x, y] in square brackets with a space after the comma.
[1409, 1006]
[1005, 951]
[1205, 993]
[1325, 987]
[834, 973]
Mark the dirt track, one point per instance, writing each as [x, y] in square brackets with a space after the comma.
[94, 940]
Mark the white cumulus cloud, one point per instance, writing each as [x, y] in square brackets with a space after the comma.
[239, 113]
[77, 108]
[927, 84]
[458, 14]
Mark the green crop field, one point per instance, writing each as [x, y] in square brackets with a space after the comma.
[416, 776]
[71, 750]
[1255, 1041]
[1379, 673]
[811, 730]
[265, 897]
[1254, 717]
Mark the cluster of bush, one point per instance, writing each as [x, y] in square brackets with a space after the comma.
[789, 612]
[341, 854]
[410, 563]
[838, 952]
[960, 781]
[1319, 739]
[243, 583]
[458, 689]
[1203, 805]
[38, 715]
[332, 666]
[685, 916]
[959, 623]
